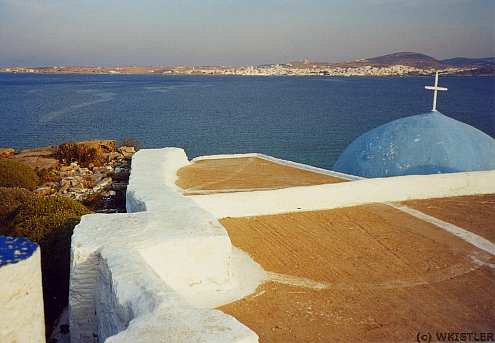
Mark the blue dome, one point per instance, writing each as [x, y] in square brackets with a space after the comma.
[422, 144]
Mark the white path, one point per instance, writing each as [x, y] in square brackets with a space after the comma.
[468, 236]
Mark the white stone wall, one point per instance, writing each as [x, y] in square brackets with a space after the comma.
[364, 191]
[155, 273]
[21, 298]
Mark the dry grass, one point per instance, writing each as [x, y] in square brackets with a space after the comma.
[80, 153]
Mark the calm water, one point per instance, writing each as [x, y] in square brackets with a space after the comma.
[306, 119]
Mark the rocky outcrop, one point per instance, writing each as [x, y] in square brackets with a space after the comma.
[127, 151]
[6, 152]
[42, 158]
[103, 183]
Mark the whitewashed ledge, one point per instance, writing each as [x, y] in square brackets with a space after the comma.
[346, 194]
[21, 297]
[155, 274]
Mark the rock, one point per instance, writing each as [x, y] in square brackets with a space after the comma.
[68, 173]
[119, 186]
[127, 151]
[112, 156]
[109, 194]
[78, 197]
[75, 183]
[97, 177]
[103, 170]
[84, 171]
[6, 152]
[64, 188]
[108, 210]
[37, 162]
[44, 190]
[103, 183]
[49, 184]
[38, 158]
[46, 151]
[122, 173]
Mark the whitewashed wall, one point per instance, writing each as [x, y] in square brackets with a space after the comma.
[358, 192]
[155, 273]
[21, 301]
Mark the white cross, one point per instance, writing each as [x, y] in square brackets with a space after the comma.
[435, 90]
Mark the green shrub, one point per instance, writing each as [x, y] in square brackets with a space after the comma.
[40, 216]
[10, 200]
[17, 174]
[80, 153]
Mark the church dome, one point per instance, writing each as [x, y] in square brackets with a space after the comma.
[422, 144]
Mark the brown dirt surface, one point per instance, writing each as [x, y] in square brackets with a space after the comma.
[46, 151]
[38, 158]
[245, 173]
[388, 276]
[474, 213]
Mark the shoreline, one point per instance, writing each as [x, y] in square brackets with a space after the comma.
[247, 75]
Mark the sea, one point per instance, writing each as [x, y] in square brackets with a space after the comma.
[304, 119]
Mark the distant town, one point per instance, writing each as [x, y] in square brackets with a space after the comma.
[397, 64]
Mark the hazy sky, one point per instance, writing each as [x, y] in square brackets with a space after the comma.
[170, 32]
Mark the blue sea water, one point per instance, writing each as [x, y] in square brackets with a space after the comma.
[305, 119]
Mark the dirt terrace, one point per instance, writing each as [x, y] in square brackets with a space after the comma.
[473, 213]
[367, 273]
[244, 174]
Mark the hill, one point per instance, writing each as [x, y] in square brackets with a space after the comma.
[411, 59]
[472, 66]
[464, 61]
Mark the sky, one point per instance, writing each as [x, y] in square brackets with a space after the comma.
[230, 32]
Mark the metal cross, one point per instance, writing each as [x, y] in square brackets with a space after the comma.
[435, 90]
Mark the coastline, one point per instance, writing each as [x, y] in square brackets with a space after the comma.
[246, 75]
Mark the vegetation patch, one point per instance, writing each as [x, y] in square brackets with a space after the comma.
[40, 216]
[10, 200]
[17, 174]
[80, 153]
